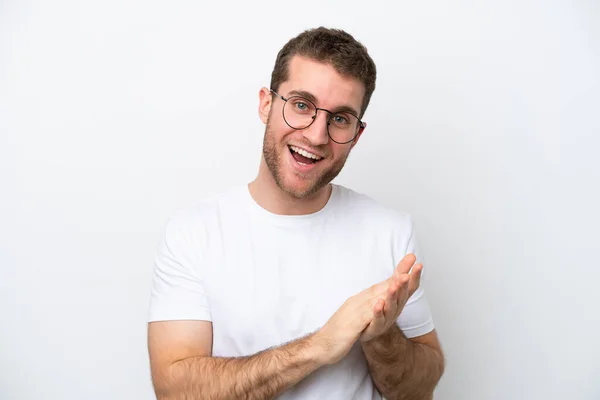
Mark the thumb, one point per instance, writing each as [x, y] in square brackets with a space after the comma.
[377, 323]
[378, 317]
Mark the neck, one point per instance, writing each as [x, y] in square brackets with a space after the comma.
[267, 194]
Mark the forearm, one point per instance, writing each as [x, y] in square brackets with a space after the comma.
[402, 369]
[260, 376]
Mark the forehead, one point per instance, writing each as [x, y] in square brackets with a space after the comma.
[330, 88]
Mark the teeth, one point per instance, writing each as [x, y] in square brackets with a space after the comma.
[305, 153]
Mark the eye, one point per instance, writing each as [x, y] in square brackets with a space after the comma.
[340, 119]
[301, 106]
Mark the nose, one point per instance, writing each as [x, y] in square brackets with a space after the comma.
[316, 133]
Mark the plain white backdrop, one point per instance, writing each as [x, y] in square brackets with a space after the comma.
[484, 126]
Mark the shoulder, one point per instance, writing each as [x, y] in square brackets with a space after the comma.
[367, 210]
[202, 216]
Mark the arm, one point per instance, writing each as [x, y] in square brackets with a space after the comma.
[401, 368]
[180, 335]
[182, 367]
[404, 368]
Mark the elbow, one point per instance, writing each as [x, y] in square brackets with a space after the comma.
[438, 369]
[164, 383]
[161, 387]
[161, 393]
[440, 366]
[165, 390]
[425, 387]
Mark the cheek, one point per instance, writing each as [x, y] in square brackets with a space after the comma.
[340, 153]
[279, 128]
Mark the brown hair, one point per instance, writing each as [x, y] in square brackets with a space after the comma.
[332, 46]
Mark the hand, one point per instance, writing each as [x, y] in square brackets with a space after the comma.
[338, 335]
[401, 285]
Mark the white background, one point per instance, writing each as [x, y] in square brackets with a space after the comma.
[484, 126]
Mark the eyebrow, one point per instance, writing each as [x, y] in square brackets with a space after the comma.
[311, 97]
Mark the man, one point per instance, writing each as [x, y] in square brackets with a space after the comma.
[291, 286]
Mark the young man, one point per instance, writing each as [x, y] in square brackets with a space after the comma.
[292, 286]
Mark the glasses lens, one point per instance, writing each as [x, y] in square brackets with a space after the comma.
[343, 127]
[299, 112]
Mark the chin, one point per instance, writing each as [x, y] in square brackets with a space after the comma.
[298, 187]
[293, 178]
[301, 185]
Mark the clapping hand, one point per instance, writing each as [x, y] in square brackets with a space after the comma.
[369, 313]
[401, 285]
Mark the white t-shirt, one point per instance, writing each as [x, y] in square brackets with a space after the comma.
[265, 279]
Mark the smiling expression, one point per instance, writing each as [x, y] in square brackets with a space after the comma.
[304, 161]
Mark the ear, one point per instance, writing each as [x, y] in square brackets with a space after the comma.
[264, 104]
[360, 132]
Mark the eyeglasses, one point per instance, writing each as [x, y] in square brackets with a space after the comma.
[300, 113]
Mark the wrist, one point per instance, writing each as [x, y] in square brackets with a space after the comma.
[318, 349]
[386, 339]
[313, 351]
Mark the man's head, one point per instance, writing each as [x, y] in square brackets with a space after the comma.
[334, 72]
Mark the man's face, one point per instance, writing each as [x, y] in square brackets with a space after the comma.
[330, 91]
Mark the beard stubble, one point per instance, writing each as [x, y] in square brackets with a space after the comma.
[273, 155]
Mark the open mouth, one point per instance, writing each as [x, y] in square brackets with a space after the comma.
[303, 157]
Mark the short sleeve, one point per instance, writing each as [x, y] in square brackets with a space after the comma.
[415, 319]
[177, 289]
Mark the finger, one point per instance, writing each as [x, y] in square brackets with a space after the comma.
[374, 313]
[403, 290]
[391, 306]
[415, 279]
[377, 289]
[378, 308]
[392, 291]
[378, 321]
[394, 280]
[405, 264]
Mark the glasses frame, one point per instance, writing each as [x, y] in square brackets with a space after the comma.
[331, 114]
